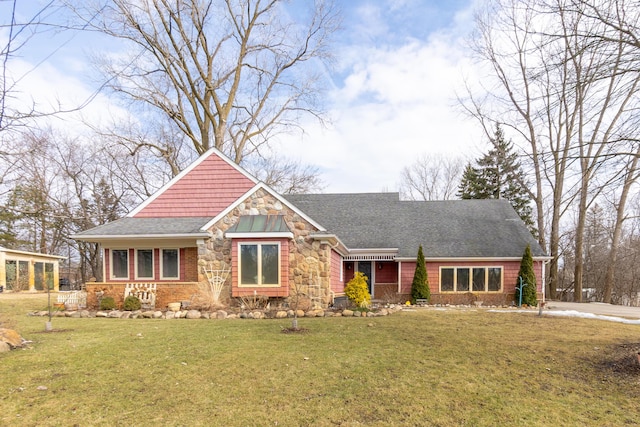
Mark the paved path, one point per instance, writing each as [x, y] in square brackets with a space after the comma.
[596, 308]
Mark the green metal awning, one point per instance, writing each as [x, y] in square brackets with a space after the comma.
[256, 224]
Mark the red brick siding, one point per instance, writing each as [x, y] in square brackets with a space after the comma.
[189, 267]
[270, 291]
[337, 285]
[166, 293]
[206, 190]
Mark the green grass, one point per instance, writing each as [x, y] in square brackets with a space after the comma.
[426, 367]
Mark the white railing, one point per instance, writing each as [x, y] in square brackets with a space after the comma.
[145, 292]
[74, 297]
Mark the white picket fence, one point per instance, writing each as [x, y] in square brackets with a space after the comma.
[145, 292]
[73, 297]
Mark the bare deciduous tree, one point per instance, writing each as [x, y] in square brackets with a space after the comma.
[431, 177]
[569, 96]
[228, 73]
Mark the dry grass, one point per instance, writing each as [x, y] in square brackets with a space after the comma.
[427, 367]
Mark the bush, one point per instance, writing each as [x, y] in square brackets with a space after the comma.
[420, 285]
[132, 303]
[529, 294]
[107, 303]
[357, 290]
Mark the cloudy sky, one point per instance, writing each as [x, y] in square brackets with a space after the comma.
[398, 65]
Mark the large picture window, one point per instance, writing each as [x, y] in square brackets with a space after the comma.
[144, 264]
[119, 263]
[170, 264]
[475, 279]
[259, 264]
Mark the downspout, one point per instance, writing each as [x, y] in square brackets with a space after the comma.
[399, 277]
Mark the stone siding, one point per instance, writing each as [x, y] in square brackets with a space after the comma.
[308, 260]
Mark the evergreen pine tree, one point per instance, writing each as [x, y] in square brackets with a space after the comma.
[529, 296]
[420, 284]
[499, 175]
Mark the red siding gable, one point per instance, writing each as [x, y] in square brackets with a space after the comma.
[206, 190]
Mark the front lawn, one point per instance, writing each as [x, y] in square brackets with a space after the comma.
[425, 367]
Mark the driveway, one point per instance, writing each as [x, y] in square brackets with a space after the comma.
[599, 308]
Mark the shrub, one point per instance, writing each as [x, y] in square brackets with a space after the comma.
[529, 296]
[107, 303]
[132, 303]
[420, 284]
[357, 291]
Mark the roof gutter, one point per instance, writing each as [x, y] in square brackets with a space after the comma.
[107, 237]
[333, 241]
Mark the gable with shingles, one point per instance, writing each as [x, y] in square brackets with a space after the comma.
[204, 189]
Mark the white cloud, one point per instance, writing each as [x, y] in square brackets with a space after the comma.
[395, 103]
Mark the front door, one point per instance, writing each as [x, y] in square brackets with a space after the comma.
[364, 267]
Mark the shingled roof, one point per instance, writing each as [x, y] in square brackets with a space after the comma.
[148, 228]
[445, 229]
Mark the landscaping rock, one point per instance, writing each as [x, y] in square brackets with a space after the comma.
[206, 315]
[147, 314]
[75, 315]
[170, 315]
[126, 315]
[257, 315]
[221, 314]
[357, 314]
[291, 313]
[157, 314]
[85, 314]
[102, 314]
[310, 314]
[347, 313]
[4, 347]
[115, 314]
[300, 313]
[11, 337]
[193, 314]
[281, 315]
[384, 312]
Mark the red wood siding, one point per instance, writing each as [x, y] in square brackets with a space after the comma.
[510, 271]
[386, 271]
[270, 291]
[337, 285]
[206, 190]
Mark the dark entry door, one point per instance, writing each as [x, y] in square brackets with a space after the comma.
[364, 267]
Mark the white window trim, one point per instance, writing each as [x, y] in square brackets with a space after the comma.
[259, 244]
[153, 264]
[486, 279]
[112, 275]
[161, 253]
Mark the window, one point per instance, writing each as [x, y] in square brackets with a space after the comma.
[170, 264]
[465, 279]
[144, 264]
[259, 264]
[119, 263]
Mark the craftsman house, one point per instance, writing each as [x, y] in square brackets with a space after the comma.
[215, 218]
